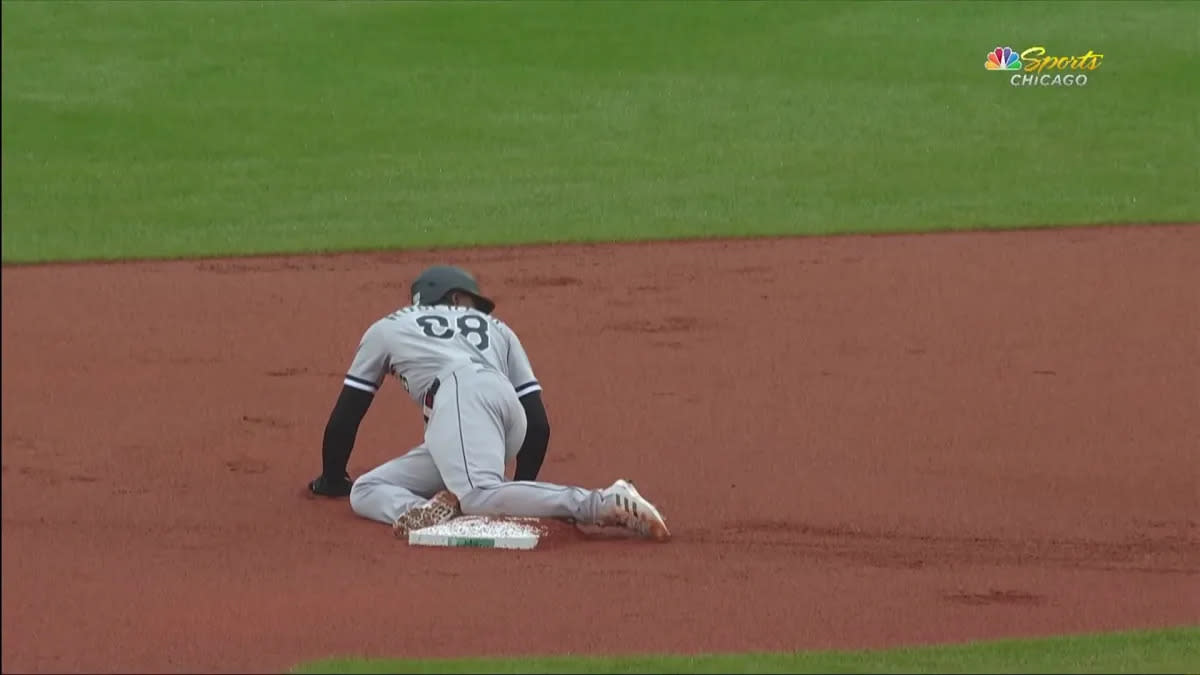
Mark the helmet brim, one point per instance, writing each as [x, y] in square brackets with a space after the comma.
[485, 305]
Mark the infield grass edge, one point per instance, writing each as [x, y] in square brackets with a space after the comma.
[1172, 650]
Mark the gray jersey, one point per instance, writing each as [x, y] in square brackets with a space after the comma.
[418, 343]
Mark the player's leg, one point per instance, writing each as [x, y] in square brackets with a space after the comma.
[396, 486]
[477, 423]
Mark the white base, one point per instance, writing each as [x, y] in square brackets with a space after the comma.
[480, 532]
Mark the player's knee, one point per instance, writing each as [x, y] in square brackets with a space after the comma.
[359, 492]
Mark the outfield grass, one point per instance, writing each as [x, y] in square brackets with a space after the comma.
[185, 128]
[1168, 651]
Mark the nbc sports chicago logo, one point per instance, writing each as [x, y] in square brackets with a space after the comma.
[1035, 68]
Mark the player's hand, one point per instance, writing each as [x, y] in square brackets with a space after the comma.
[327, 487]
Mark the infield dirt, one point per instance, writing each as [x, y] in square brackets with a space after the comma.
[857, 442]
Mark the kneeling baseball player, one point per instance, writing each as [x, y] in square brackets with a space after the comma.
[482, 407]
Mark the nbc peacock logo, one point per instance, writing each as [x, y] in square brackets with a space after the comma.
[1003, 58]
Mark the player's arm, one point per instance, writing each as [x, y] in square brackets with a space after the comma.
[364, 378]
[537, 431]
[537, 437]
[340, 431]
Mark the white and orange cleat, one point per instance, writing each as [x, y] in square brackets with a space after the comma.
[440, 508]
[623, 506]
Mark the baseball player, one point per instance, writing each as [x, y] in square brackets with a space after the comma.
[482, 407]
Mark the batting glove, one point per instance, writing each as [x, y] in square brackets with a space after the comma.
[331, 487]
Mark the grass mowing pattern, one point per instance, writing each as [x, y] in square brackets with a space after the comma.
[177, 129]
[1167, 651]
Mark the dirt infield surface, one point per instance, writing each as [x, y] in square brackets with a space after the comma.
[859, 442]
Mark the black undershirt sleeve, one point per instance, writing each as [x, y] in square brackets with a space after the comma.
[352, 405]
[537, 438]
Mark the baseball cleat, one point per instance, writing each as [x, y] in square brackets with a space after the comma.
[625, 507]
[440, 508]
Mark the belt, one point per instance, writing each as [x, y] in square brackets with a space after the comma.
[430, 393]
[477, 363]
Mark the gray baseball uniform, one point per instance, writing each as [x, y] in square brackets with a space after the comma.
[468, 370]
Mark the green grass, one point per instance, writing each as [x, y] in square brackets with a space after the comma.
[169, 129]
[1167, 651]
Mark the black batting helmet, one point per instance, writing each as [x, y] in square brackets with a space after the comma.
[435, 283]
